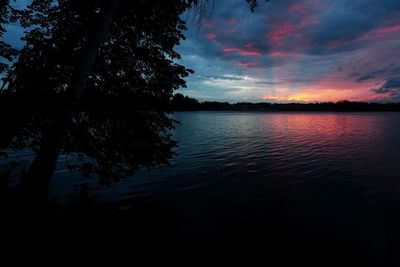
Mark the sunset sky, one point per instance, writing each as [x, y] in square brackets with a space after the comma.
[288, 50]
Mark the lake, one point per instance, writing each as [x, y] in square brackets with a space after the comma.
[331, 179]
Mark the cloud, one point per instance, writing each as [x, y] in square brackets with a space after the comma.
[288, 49]
[226, 78]
[246, 50]
[391, 87]
[211, 36]
[390, 70]
[296, 48]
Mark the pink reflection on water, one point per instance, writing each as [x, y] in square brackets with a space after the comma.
[301, 143]
[324, 129]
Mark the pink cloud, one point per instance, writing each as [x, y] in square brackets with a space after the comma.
[247, 65]
[380, 33]
[282, 31]
[282, 28]
[277, 53]
[211, 36]
[297, 8]
[247, 50]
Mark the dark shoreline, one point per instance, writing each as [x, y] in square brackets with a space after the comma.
[291, 111]
[292, 107]
[185, 103]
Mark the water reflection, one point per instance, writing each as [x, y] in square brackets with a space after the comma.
[282, 143]
[288, 178]
[234, 147]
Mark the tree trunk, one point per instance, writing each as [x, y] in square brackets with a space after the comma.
[37, 180]
[10, 128]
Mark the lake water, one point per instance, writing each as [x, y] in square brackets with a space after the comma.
[332, 178]
[307, 153]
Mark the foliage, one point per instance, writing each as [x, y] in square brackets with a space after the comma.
[119, 122]
[7, 52]
[136, 61]
[181, 102]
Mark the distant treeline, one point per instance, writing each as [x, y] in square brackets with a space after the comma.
[179, 102]
[185, 103]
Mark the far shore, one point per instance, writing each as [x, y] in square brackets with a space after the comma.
[185, 103]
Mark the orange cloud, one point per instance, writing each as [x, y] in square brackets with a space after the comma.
[328, 88]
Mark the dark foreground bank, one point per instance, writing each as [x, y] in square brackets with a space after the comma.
[138, 231]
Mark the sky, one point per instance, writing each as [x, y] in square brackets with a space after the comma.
[290, 51]
[295, 51]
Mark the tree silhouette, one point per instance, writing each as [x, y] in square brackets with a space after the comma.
[72, 60]
[7, 52]
[93, 80]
